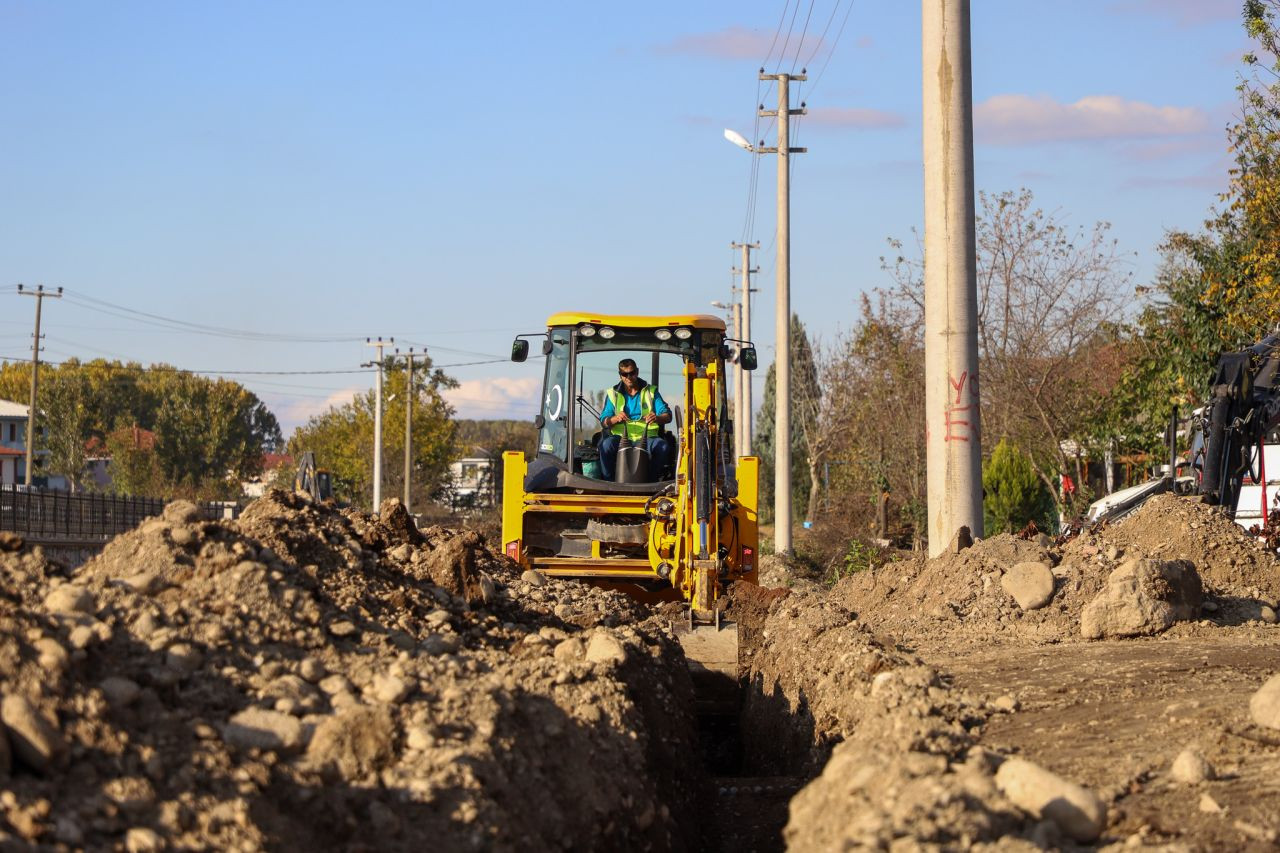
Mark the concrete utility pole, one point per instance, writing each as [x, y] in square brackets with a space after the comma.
[953, 429]
[408, 423]
[377, 421]
[782, 322]
[39, 293]
[748, 427]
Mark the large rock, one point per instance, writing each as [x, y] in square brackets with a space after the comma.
[1264, 707]
[1030, 584]
[1075, 809]
[35, 740]
[1143, 597]
[257, 728]
[353, 743]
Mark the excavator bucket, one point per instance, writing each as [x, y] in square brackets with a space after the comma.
[712, 654]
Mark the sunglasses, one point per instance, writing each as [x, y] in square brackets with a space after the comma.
[625, 375]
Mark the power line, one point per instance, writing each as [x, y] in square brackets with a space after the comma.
[138, 368]
[778, 31]
[146, 317]
[782, 54]
[831, 52]
[822, 39]
[803, 33]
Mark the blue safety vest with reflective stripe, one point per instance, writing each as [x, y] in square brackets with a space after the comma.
[634, 430]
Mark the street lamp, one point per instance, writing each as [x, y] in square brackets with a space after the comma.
[739, 140]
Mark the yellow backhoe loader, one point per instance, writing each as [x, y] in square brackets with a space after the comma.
[677, 526]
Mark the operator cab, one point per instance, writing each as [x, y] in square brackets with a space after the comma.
[582, 355]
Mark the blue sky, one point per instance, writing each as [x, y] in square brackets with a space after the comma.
[450, 174]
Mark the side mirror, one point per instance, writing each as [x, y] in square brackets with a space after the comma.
[519, 349]
[747, 358]
[539, 422]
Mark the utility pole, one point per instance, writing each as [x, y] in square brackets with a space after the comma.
[953, 428]
[744, 389]
[408, 423]
[39, 293]
[782, 322]
[377, 421]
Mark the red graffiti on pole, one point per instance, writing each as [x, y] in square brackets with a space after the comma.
[956, 416]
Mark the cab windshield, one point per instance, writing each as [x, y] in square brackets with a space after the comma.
[582, 369]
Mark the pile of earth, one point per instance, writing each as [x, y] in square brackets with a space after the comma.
[890, 748]
[959, 597]
[315, 679]
[1240, 576]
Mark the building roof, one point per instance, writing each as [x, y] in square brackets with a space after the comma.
[10, 409]
[271, 461]
[141, 439]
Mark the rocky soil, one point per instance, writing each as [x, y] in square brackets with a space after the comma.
[973, 595]
[308, 679]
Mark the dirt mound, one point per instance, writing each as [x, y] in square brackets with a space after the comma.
[306, 677]
[1231, 563]
[818, 675]
[961, 596]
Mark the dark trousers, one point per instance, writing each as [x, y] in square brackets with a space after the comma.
[659, 453]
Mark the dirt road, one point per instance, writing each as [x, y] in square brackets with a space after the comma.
[1114, 715]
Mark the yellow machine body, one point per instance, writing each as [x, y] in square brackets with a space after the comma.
[683, 537]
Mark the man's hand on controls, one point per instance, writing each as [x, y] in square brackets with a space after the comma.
[616, 419]
[651, 418]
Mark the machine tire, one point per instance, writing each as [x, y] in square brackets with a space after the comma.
[619, 533]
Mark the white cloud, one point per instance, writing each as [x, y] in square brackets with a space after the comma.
[1185, 13]
[851, 118]
[297, 411]
[502, 397]
[729, 43]
[1027, 120]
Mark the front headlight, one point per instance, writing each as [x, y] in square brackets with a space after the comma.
[662, 334]
[587, 331]
[684, 333]
[607, 333]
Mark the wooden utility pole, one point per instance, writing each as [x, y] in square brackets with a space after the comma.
[744, 389]
[782, 320]
[39, 293]
[378, 344]
[953, 429]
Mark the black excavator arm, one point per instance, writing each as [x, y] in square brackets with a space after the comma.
[1243, 406]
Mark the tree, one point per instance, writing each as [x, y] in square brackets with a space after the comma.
[342, 437]
[1013, 493]
[211, 433]
[1047, 298]
[882, 445]
[805, 402]
[1219, 289]
[134, 470]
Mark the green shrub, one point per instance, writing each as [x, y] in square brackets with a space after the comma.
[1012, 493]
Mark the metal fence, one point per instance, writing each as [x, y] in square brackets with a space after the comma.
[52, 515]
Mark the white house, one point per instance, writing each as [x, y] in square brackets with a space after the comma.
[13, 446]
[472, 481]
